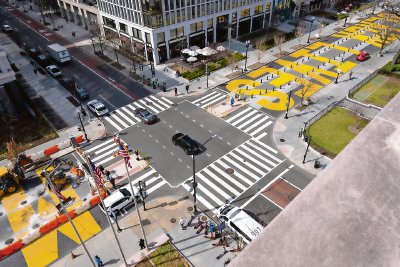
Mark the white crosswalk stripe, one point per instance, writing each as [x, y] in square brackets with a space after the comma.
[124, 117]
[152, 179]
[212, 98]
[232, 174]
[251, 121]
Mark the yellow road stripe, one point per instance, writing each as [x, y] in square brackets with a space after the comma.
[20, 218]
[86, 226]
[270, 101]
[12, 202]
[43, 251]
[300, 53]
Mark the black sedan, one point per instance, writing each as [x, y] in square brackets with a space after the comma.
[188, 145]
[145, 116]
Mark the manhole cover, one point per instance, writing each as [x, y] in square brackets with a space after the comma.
[282, 140]
[9, 241]
[190, 208]
[99, 124]
[204, 218]
[36, 225]
[146, 222]
[173, 220]
[23, 202]
[229, 171]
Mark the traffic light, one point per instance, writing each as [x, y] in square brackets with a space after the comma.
[141, 67]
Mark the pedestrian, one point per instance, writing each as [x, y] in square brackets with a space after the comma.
[30, 6]
[187, 89]
[176, 91]
[98, 261]
[350, 74]
[182, 223]
[141, 244]
[101, 169]
[137, 155]
[112, 181]
[35, 70]
[232, 101]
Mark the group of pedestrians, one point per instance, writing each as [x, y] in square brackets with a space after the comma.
[107, 176]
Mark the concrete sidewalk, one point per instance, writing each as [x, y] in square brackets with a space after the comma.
[160, 222]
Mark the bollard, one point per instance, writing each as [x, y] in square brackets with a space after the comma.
[280, 86]
[272, 75]
[260, 92]
[247, 87]
[302, 75]
[251, 95]
[291, 66]
[329, 61]
[289, 83]
[284, 69]
[267, 78]
[273, 89]
[266, 91]
[307, 72]
[261, 79]
[302, 60]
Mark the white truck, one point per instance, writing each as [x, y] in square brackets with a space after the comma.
[58, 53]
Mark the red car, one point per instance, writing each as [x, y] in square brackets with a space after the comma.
[363, 56]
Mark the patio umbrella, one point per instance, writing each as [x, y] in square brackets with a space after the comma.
[194, 48]
[199, 51]
[221, 48]
[192, 53]
[208, 51]
[186, 51]
[192, 59]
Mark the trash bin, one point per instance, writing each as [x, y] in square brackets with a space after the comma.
[317, 164]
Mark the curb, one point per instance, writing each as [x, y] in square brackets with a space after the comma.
[49, 226]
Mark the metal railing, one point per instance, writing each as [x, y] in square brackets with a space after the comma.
[361, 83]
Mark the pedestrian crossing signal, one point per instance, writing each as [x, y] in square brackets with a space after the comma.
[141, 67]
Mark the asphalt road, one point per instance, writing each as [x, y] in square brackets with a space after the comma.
[101, 80]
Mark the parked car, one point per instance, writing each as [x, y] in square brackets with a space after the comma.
[67, 82]
[363, 56]
[239, 222]
[42, 60]
[118, 200]
[145, 116]
[80, 93]
[97, 107]
[188, 145]
[33, 52]
[6, 28]
[54, 71]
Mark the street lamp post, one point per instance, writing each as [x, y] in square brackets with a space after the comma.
[287, 104]
[305, 154]
[309, 34]
[247, 50]
[337, 77]
[229, 36]
[194, 187]
[83, 127]
[142, 186]
[94, 48]
[207, 73]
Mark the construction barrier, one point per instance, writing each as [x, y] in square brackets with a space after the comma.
[51, 150]
[10, 249]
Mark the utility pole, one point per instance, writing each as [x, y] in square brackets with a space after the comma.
[247, 50]
[107, 215]
[47, 176]
[207, 74]
[288, 104]
[194, 187]
[83, 127]
[305, 154]
[142, 186]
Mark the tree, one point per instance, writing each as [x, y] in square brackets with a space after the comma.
[306, 87]
[113, 39]
[98, 36]
[300, 30]
[386, 31]
[279, 40]
[232, 62]
[260, 44]
[12, 150]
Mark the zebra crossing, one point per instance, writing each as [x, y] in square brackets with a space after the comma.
[102, 154]
[251, 121]
[124, 117]
[250, 162]
[210, 99]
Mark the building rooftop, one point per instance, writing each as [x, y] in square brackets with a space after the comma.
[349, 215]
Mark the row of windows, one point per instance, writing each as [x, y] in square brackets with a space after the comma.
[120, 12]
[124, 3]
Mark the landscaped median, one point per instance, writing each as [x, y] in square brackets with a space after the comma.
[213, 66]
[335, 130]
[164, 256]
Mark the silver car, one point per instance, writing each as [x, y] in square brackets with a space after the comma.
[54, 71]
[97, 107]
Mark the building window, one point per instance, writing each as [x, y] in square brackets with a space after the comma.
[123, 28]
[196, 27]
[176, 33]
[210, 24]
[258, 9]
[245, 13]
[189, 13]
[234, 16]
[137, 33]
[109, 22]
[172, 34]
[148, 39]
[268, 8]
[160, 37]
[166, 4]
[172, 17]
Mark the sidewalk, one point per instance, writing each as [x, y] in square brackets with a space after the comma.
[160, 222]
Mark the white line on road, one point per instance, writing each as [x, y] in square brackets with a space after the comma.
[76, 76]
[107, 101]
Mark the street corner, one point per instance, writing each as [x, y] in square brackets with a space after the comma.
[225, 107]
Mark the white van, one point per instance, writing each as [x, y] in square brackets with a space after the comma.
[118, 200]
[240, 222]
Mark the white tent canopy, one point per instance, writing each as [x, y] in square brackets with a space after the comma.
[186, 51]
[192, 53]
[221, 48]
[192, 59]
[194, 48]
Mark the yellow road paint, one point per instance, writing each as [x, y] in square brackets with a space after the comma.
[282, 79]
[319, 78]
[67, 193]
[45, 208]
[19, 219]
[86, 226]
[300, 53]
[345, 49]
[12, 202]
[236, 84]
[42, 252]
[261, 71]
[318, 45]
[313, 88]
[327, 73]
[270, 101]
[346, 66]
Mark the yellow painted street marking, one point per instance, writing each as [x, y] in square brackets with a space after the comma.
[42, 252]
[313, 88]
[236, 84]
[261, 71]
[345, 49]
[327, 73]
[270, 101]
[12, 202]
[86, 226]
[282, 79]
[45, 208]
[318, 45]
[67, 193]
[319, 78]
[20, 218]
[346, 66]
[300, 53]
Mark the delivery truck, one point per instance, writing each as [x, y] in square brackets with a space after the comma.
[58, 53]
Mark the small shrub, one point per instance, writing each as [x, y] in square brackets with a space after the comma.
[289, 36]
[342, 16]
